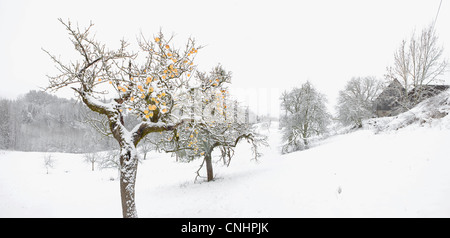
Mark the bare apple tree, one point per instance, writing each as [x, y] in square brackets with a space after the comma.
[216, 125]
[149, 89]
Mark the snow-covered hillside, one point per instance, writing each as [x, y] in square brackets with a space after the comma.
[393, 167]
[432, 112]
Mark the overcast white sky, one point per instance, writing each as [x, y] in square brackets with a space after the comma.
[270, 46]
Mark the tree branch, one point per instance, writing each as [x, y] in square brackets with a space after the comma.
[146, 127]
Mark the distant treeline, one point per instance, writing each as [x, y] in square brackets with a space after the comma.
[39, 121]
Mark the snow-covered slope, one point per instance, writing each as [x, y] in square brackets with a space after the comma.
[431, 112]
[394, 167]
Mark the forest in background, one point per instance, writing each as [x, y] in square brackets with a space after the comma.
[38, 121]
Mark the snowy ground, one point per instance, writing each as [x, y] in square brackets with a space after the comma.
[403, 172]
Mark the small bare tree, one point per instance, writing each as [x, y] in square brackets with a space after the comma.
[110, 160]
[417, 63]
[150, 143]
[91, 158]
[48, 162]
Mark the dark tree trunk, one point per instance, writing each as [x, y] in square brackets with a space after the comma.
[209, 168]
[128, 165]
[128, 153]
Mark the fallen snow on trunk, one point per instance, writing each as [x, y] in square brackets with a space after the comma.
[367, 173]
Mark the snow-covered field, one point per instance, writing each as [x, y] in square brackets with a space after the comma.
[402, 171]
